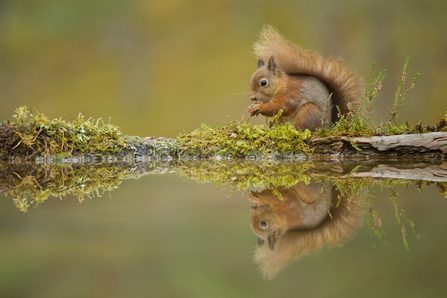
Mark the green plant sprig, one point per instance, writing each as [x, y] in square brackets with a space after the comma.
[399, 95]
[360, 122]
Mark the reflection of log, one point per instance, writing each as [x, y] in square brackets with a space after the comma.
[414, 144]
[428, 173]
[37, 182]
[392, 168]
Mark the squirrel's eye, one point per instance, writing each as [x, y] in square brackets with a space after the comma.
[263, 83]
[264, 224]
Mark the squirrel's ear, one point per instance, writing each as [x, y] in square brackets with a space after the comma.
[260, 62]
[274, 236]
[272, 240]
[272, 65]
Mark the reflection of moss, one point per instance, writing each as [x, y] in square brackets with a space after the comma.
[242, 175]
[34, 184]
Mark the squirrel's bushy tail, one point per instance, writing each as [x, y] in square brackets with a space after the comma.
[339, 77]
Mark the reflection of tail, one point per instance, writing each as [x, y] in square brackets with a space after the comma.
[295, 244]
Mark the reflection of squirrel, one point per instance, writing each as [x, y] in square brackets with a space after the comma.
[300, 83]
[297, 210]
[307, 218]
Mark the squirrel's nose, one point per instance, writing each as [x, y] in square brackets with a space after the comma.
[253, 97]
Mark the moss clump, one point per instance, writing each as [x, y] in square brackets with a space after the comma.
[34, 134]
[240, 139]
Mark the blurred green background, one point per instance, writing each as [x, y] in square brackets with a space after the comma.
[161, 67]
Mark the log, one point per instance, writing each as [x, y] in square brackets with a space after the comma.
[428, 144]
[436, 141]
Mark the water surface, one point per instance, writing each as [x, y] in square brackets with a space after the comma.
[163, 235]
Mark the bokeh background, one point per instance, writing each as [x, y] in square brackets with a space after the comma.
[161, 67]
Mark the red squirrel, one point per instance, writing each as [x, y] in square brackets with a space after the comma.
[301, 83]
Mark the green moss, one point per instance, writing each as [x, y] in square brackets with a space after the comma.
[240, 139]
[33, 134]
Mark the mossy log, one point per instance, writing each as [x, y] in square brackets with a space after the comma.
[106, 144]
[427, 145]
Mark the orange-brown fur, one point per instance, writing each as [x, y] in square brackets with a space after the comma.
[300, 82]
[297, 210]
[288, 238]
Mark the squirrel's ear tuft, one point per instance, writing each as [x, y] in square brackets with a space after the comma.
[260, 62]
[272, 65]
[272, 240]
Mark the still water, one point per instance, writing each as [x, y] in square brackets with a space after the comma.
[162, 233]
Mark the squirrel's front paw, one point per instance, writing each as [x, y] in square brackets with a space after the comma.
[253, 109]
[253, 197]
